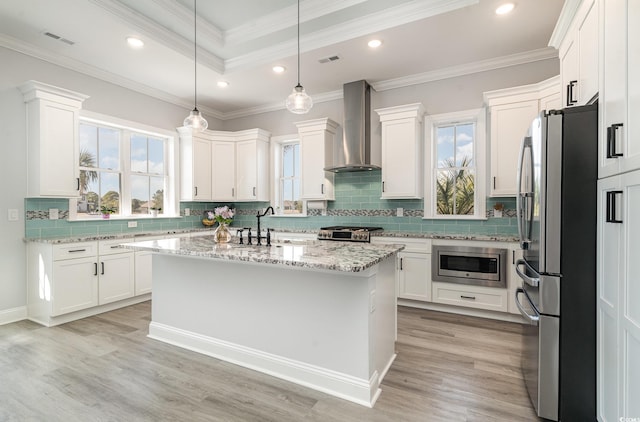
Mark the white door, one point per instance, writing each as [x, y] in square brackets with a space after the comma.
[74, 285]
[143, 276]
[312, 161]
[631, 160]
[116, 280]
[246, 170]
[201, 169]
[588, 55]
[569, 72]
[400, 172]
[224, 171]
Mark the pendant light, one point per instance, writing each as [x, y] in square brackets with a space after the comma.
[195, 120]
[299, 102]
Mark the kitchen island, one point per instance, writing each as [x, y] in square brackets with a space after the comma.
[320, 314]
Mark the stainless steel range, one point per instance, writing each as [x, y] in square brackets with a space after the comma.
[348, 233]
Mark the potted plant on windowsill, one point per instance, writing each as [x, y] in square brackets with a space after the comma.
[155, 211]
[106, 212]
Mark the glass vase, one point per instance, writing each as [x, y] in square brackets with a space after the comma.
[222, 234]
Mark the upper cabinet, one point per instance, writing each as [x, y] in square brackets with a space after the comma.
[578, 51]
[619, 149]
[511, 111]
[224, 166]
[52, 140]
[316, 153]
[402, 140]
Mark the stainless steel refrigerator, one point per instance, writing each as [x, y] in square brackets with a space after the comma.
[557, 211]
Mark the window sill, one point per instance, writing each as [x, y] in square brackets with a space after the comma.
[457, 218]
[121, 218]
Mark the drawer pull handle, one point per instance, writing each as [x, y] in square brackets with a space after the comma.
[77, 250]
[468, 297]
[95, 268]
[115, 247]
[102, 268]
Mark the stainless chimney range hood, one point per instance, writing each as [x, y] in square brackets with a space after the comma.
[353, 151]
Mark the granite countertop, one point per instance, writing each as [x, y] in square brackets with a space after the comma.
[312, 254]
[187, 232]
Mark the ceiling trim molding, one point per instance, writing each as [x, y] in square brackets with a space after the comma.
[568, 12]
[159, 34]
[354, 28]
[80, 67]
[284, 18]
[468, 68]
[184, 15]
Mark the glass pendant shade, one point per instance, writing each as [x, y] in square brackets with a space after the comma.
[299, 102]
[195, 121]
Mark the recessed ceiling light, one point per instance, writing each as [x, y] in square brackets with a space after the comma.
[374, 43]
[223, 84]
[505, 8]
[135, 42]
[279, 69]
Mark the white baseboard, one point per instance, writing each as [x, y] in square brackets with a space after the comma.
[357, 390]
[501, 316]
[8, 316]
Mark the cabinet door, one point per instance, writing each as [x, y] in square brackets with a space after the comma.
[509, 124]
[588, 54]
[224, 171]
[246, 171]
[143, 276]
[569, 71]
[116, 280]
[201, 169]
[631, 159]
[401, 163]
[316, 183]
[74, 285]
[414, 276]
[613, 101]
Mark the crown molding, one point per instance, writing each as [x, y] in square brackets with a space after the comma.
[389, 18]
[161, 35]
[568, 12]
[285, 18]
[468, 68]
[184, 15]
[80, 67]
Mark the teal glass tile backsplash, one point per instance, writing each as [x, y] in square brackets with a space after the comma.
[357, 202]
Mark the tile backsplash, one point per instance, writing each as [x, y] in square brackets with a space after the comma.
[357, 203]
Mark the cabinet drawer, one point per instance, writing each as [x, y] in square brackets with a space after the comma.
[470, 296]
[74, 250]
[108, 247]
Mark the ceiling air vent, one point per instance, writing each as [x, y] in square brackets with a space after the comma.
[329, 59]
[59, 38]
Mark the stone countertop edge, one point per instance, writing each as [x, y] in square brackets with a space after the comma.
[181, 232]
[316, 255]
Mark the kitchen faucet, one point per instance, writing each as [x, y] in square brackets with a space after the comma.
[258, 215]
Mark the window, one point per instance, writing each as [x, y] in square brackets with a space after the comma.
[456, 174]
[286, 176]
[123, 169]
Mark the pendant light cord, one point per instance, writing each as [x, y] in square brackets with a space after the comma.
[298, 42]
[195, 55]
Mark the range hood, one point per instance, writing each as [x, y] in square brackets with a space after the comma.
[353, 151]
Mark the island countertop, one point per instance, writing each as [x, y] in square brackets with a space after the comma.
[311, 254]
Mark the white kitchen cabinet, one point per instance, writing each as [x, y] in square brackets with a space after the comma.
[618, 296]
[252, 165]
[52, 140]
[402, 151]
[414, 276]
[223, 171]
[224, 166]
[195, 166]
[511, 112]
[143, 272]
[78, 278]
[578, 52]
[316, 153]
[487, 298]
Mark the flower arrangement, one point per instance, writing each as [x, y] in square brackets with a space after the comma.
[221, 215]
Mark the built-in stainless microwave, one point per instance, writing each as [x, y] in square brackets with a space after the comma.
[469, 265]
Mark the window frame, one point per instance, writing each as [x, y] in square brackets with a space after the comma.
[128, 128]
[478, 117]
[276, 145]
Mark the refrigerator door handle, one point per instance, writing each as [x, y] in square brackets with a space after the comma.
[522, 196]
[533, 319]
[531, 281]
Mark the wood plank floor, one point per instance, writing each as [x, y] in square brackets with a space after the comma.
[104, 368]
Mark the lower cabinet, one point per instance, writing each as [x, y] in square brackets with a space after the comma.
[489, 298]
[66, 278]
[414, 276]
[143, 272]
